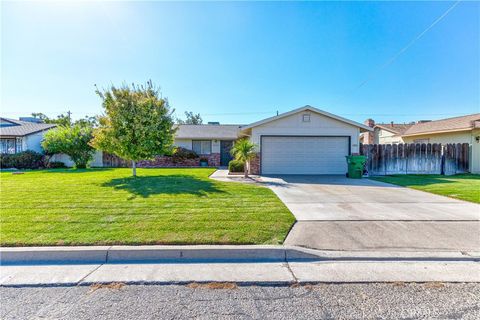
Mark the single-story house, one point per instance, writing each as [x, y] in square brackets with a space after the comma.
[27, 134]
[303, 141]
[21, 135]
[463, 129]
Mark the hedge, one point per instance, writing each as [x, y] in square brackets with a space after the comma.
[236, 166]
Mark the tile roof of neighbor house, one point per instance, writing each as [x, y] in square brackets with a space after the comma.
[23, 128]
[462, 123]
[397, 128]
[208, 131]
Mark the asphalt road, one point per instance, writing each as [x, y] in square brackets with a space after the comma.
[323, 301]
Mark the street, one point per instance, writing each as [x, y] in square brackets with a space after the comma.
[227, 301]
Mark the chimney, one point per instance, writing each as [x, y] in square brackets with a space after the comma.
[369, 137]
[369, 123]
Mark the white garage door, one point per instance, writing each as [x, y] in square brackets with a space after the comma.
[304, 155]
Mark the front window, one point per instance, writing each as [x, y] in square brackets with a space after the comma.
[7, 145]
[202, 146]
[19, 145]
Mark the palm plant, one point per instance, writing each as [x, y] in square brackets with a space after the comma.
[243, 150]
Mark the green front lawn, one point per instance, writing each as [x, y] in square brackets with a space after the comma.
[463, 186]
[160, 206]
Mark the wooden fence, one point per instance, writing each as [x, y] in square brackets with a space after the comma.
[386, 159]
[111, 160]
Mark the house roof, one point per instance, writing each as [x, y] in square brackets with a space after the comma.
[462, 123]
[397, 128]
[308, 108]
[208, 131]
[22, 128]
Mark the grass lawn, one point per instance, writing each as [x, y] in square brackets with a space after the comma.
[160, 206]
[463, 186]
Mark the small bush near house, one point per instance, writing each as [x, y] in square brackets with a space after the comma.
[180, 154]
[74, 141]
[56, 165]
[22, 160]
[236, 166]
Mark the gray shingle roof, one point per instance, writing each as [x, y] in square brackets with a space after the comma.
[208, 131]
[450, 124]
[22, 128]
[397, 128]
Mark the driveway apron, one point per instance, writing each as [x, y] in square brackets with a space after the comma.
[336, 213]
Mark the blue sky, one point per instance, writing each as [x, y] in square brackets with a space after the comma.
[238, 62]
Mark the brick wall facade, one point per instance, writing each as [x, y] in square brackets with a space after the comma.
[167, 162]
[162, 162]
[369, 137]
[255, 164]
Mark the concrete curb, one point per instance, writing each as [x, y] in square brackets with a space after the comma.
[207, 253]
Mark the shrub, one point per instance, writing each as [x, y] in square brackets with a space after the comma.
[236, 166]
[73, 141]
[56, 165]
[22, 160]
[180, 154]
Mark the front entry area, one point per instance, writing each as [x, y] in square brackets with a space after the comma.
[304, 154]
[225, 156]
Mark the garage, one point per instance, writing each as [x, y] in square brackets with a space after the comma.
[304, 154]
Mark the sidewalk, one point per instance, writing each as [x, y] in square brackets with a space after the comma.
[269, 265]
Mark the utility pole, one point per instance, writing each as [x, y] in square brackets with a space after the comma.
[69, 117]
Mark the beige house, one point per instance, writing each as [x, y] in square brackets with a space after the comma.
[302, 141]
[464, 129]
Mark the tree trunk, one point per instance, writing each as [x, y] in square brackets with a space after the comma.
[245, 170]
[134, 168]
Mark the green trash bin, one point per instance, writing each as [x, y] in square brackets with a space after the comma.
[355, 166]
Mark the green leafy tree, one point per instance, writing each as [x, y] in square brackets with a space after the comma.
[137, 123]
[61, 120]
[191, 118]
[243, 150]
[72, 141]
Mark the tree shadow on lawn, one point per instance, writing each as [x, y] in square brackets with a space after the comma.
[73, 170]
[155, 185]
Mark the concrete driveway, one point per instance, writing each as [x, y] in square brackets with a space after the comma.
[336, 213]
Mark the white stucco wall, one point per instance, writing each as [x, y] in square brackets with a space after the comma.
[386, 137]
[33, 142]
[96, 162]
[319, 125]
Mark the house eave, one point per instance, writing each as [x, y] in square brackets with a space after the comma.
[436, 132]
[308, 108]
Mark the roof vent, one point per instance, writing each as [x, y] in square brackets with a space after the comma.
[30, 119]
[215, 123]
[423, 121]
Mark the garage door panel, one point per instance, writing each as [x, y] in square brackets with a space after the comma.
[304, 155]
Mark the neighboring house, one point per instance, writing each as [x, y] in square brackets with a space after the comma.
[384, 133]
[303, 141]
[464, 129]
[21, 135]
